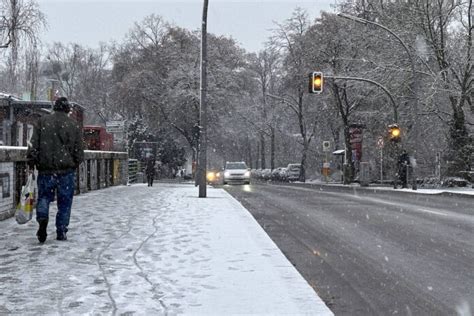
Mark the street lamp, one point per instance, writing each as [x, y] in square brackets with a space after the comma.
[414, 78]
[202, 166]
[387, 92]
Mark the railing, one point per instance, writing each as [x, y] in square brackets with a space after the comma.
[133, 169]
[100, 169]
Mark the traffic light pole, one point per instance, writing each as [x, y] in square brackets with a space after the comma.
[414, 81]
[203, 106]
[387, 92]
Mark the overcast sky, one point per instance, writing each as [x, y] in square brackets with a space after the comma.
[89, 22]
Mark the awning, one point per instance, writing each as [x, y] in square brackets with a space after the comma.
[34, 104]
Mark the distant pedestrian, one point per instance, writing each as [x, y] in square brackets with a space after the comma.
[403, 164]
[150, 170]
[56, 150]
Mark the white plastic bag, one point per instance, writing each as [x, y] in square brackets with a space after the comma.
[24, 209]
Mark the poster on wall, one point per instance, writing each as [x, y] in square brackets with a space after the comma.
[356, 136]
[5, 181]
[6, 185]
[355, 132]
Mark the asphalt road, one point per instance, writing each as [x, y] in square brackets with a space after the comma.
[372, 253]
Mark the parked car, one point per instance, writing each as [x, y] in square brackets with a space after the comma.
[275, 175]
[236, 172]
[283, 174]
[266, 174]
[279, 174]
[293, 171]
[256, 173]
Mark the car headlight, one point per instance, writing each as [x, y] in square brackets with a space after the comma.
[227, 174]
[210, 176]
[218, 175]
[247, 174]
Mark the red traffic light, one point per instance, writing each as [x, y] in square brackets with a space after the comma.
[316, 82]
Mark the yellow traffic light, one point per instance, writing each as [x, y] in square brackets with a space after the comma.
[394, 132]
[316, 82]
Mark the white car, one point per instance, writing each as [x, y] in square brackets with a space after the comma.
[236, 172]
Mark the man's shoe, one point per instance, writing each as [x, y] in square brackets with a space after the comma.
[42, 234]
[61, 236]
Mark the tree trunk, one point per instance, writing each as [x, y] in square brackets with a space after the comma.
[249, 150]
[262, 150]
[304, 154]
[302, 127]
[460, 150]
[348, 168]
[272, 154]
[257, 156]
[349, 164]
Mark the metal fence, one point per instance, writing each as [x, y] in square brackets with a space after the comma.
[133, 170]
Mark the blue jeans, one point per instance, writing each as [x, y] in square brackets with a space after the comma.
[63, 184]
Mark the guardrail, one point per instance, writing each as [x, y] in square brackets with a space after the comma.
[100, 169]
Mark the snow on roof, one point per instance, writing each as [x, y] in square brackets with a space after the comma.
[6, 96]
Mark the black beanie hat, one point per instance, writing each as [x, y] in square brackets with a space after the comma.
[62, 104]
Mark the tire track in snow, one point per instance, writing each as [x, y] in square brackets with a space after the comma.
[102, 269]
[143, 274]
[61, 299]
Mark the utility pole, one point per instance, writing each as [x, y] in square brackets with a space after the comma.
[202, 167]
[414, 82]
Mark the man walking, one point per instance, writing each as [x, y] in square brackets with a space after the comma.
[56, 150]
[150, 170]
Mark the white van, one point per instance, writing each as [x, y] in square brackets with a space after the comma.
[293, 171]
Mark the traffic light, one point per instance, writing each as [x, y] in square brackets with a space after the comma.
[196, 131]
[394, 133]
[316, 82]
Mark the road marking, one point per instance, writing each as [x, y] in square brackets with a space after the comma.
[432, 212]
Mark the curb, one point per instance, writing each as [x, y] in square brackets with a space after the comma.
[373, 189]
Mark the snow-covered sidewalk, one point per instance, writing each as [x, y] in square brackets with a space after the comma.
[151, 251]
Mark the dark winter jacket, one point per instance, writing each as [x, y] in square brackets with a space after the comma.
[56, 145]
[150, 167]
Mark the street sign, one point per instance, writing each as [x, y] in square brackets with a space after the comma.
[326, 146]
[119, 130]
[115, 126]
[380, 143]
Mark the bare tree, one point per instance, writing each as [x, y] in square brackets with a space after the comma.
[453, 53]
[289, 37]
[265, 66]
[20, 24]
